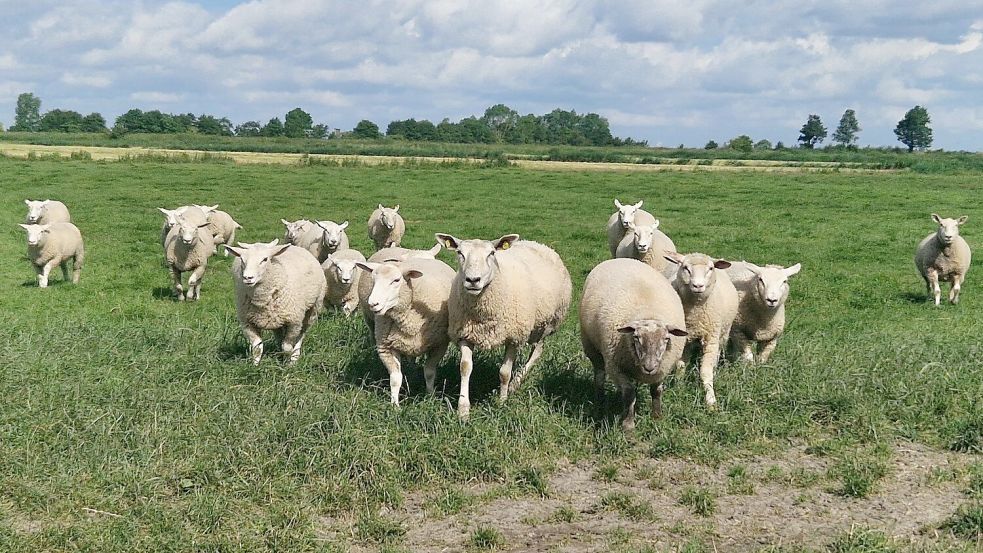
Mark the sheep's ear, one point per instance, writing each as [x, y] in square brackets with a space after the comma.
[234, 250]
[24, 226]
[203, 225]
[639, 204]
[166, 212]
[617, 204]
[447, 241]
[721, 264]
[962, 219]
[435, 249]
[207, 208]
[282, 249]
[936, 218]
[380, 207]
[318, 223]
[793, 270]
[274, 242]
[328, 261]
[676, 331]
[27, 202]
[284, 221]
[506, 241]
[631, 226]
[655, 225]
[627, 329]
[366, 266]
[343, 226]
[753, 268]
[411, 274]
[673, 257]
[396, 209]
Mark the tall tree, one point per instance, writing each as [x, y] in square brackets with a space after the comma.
[297, 123]
[501, 119]
[249, 128]
[27, 117]
[913, 131]
[366, 129]
[813, 132]
[273, 127]
[61, 121]
[93, 122]
[846, 131]
[741, 143]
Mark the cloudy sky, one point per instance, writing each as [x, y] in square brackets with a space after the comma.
[669, 72]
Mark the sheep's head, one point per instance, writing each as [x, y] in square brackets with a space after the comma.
[36, 233]
[388, 280]
[477, 258]
[171, 215]
[772, 283]
[644, 236]
[255, 260]
[294, 229]
[626, 213]
[188, 231]
[388, 216]
[948, 228]
[650, 339]
[333, 232]
[35, 210]
[697, 271]
[344, 269]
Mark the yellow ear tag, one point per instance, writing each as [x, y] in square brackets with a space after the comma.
[447, 244]
[504, 246]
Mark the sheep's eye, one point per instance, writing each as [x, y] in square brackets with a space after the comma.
[396, 281]
[761, 280]
[266, 259]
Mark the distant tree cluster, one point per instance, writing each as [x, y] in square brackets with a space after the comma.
[28, 118]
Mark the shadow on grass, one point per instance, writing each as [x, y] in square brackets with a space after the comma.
[163, 293]
[914, 297]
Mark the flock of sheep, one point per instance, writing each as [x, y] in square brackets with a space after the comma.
[643, 313]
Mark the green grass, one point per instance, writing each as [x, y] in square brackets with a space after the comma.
[119, 400]
[486, 538]
[701, 501]
[629, 506]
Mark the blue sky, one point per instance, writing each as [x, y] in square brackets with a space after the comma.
[668, 72]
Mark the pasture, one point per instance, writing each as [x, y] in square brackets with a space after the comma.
[129, 421]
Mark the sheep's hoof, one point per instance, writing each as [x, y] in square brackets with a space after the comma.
[463, 410]
[628, 426]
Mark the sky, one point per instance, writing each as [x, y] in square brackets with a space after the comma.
[667, 72]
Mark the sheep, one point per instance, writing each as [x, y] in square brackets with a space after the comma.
[54, 244]
[280, 288]
[632, 327]
[187, 248]
[620, 221]
[647, 244]
[221, 225]
[409, 302]
[45, 212]
[295, 230]
[383, 255]
[506, 292]
[342, 278]
[761, 295]
[386, 227]
[194, 215]
[710, 302]
[333, 238]
[944, 256]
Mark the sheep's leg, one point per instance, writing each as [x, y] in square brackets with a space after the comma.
[537, 352]
[505, 372]
[597, 361]
[45, 271]
[711, 354]
[392, 364]
[230, 241]
[767, 348]
[292, 339]
[64, 269]
[194, 283]
[176, 284]
[957, 281]
[628, 397]
[77, 267]
[744, 346]
[255, 340]
[434, 357]
[933, 279]
[685, 359]
[467, 363]
[656, 391]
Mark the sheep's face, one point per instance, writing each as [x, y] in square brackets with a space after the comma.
[254, 260]
[187, 231]
[772, 283]
[650, 339]
[948, 228]
[171, 216]
[644, 236]
[387, 283]
[388, 216]
[697, 272]
[477, 259]
[344, 269]
[626, 213]
[36, 234]
[332, 233]
[294, 229]
[35, 210]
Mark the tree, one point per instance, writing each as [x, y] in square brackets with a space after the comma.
[319, 131]
[711, 145]
[501, 119]
[249, 128]
[762, 144]
[58, 120]
[209, 124]
[93, 122]
[27, 116]
[273, 127]
[366, 129]
[779, 145]
[913, 131]
[741, 143]
[846, 131]
[813, 132]
[297, 123]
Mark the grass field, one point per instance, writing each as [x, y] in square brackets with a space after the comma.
[131, 422]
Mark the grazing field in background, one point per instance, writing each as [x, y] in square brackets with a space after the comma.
[132, 422]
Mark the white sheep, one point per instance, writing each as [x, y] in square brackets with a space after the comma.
[944, 256]
[279, 288]
[761, 295]
[647, 244]
[193, 214]
[333, 238]
[386, 227]
[632, 327]
[382, 256]
[187, 248]
[45, 212]
[506, 292]
[619, 223]
[222, 226]
[54, 244]
[342, 279]
[409, 303]
[295, 230]
[710, 302]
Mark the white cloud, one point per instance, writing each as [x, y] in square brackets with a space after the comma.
[94, 81]
[156, 97]
[7, 62]
[318, 97]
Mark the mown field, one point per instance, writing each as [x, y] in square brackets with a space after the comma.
[132, 422]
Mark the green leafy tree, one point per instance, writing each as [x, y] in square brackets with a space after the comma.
[711, 145]
[209, 124]
[366, 129]
[320, 131]
[249, 128]
[58, 120]
[297, 123]
[779, 145]
[27, 116]
[846, 131]
[93, 122]
[741, 143]
[813, 132]
[762, 144]
[913, 131]
[273, 127]
[501, 119]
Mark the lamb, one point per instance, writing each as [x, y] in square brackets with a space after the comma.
[221, 225]
[342, 279]
[761, 295]
[647, 244]
[45, 212]
[54, 244]
[386, 227]
[295, 230]
[187, 248]
[381, 256]
[279, 288]
[333, 238]
[409, 302]
[632, 327]
[620, 222]
[194, 215]
[944, 256]
[506, 292]
[710, 302]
